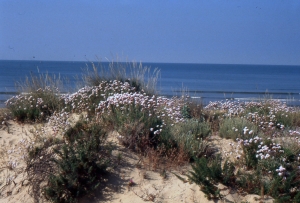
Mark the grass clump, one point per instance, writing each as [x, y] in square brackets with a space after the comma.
[135, 74]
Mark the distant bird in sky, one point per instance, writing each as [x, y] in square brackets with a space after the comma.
[11, 48]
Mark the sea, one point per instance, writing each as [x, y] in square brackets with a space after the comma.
[202, 82]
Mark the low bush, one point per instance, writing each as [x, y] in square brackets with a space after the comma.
[80, 165]
[237, 128]
[141, 121]
[87, 99]
[34, 106]
[191, 135]
[209, 172]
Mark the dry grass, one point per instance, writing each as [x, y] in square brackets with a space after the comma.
[34, 82]
[137, 75]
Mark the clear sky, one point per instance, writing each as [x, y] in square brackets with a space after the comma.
[185, 31]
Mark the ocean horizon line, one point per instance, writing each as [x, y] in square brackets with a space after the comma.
[146, 62]
[238, 92]
[191, 92]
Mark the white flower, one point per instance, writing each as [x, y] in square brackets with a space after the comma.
[281, 168]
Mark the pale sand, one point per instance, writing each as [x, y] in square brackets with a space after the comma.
[149, 184]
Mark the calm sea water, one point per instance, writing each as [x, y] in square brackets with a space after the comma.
[210, 82]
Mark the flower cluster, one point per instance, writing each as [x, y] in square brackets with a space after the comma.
[231, 108]
[281, 170]
[87, 98]
[269, 115]
[158, 106]
[35, 105]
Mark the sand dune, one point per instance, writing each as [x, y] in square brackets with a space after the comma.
[149, 184]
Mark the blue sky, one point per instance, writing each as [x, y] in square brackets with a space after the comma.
[186, 31]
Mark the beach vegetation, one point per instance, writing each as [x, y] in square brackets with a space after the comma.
[237, 128]
[209, 172]
[141, 78]
[191, 136]
[80, 165]
[34, 106]
[70, 160]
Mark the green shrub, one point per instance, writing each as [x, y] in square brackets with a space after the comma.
[234, 128]
[262, 108]
[208, 173]
[288, 119]
[133, 123]
[195, 107]
[202, 175]
[286, 189]
[80, 166]
[190, 135]
[249, 182]
[186, 111]
[272, 167]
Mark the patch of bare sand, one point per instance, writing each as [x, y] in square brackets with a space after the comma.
[13, 179]
[147, 184]
[12, 187]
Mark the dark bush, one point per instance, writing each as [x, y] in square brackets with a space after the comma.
[208, 173]
[81, 166]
